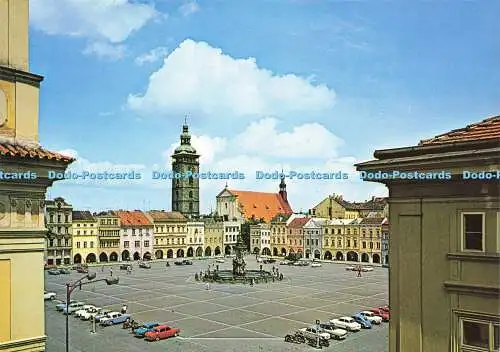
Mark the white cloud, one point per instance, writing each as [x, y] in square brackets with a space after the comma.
[105, 50]
[102, 22]
[196, 76]
[81, 165]
[210, 147]
[310, 140]
[113, 20]
[189, 8]
[152, 56]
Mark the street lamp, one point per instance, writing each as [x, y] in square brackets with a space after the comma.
[78, 283]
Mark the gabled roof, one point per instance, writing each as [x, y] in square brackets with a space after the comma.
[340, 222]
[261, 204]
[161, 215]
[298, 223]
[10, 150]
[133, 218]
[483, 130]
[82, 215]
[372, 221]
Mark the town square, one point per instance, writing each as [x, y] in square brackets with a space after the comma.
[288, 175]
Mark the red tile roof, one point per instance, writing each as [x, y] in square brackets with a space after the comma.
[298, 222]
[133, 218]
[18, 151]
[483, 130]
[261, 204]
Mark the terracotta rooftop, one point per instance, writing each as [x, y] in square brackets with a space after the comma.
[298, 222]
[261, 204]
[17, 151]
[82, 215]
[161, 215]
[483, 130]
[133, 218]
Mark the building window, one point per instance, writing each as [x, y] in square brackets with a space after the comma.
[125, 244]
[339, 243]
[348, 243]
[146, 243]
[473, 231]
[364, 244]
[378, 245]
[85, 244]
[190, 206]
[355, 243]
[137, 244]
[479, 335]
[77, 244]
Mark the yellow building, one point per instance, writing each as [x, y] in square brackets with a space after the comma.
[195, 238]
[279, 242]
[214, 237]
[341, 239]
[444, 276]
[370, 240]
[85, 238]
[108, 233]
[335, 207]
[22, 223]
[169, 231]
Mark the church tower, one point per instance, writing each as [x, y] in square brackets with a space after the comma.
[186, 188]
[282, 191]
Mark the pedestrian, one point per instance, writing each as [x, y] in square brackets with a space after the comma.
[359, 271]
[124, 309]
[111, 271]
[102, 268]
[207, 286]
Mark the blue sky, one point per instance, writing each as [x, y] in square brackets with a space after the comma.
[303, 85]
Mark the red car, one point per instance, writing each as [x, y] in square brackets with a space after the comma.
[381, 313]
[161, 332]
[385, 309]
[82, 270]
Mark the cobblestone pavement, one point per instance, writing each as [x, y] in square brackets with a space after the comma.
[228, 317]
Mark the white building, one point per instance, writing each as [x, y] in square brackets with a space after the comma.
[195, 238]
[260, 239]
[313, 239]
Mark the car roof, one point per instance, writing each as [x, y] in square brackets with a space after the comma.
[150, 324]
[161, 326]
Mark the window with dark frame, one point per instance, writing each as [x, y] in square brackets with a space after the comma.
[473, 232]
[475, 334]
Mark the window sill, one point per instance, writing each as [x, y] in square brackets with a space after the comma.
[475, 256]
[475, 289]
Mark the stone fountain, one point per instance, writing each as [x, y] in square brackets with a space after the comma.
[240, 274]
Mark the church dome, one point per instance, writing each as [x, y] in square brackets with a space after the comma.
[185, 148]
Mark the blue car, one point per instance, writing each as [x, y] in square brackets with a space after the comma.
[114, 318]
[361, 319]
[62, 305]
[140, 332]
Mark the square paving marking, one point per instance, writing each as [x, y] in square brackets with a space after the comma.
[235, 316]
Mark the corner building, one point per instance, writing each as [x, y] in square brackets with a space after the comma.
[444, 244]
[22, 203]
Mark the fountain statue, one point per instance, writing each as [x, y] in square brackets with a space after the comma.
[238, 262]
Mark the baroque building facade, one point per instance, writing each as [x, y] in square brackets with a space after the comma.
[85, 238]
[22, 203]
[444, 241]
[58, 214]
[170, 231]
[186, 187]
[108, 234]
[136, 235]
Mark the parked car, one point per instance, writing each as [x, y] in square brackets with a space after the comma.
[315, 265]
[90, 313]
[49, 295]
[82, 270]
[54, 272]
[303, 263]
[146, 327]
[346, 323]
[178, 262]
[361, 319]
[219, 260]
[367, 268]
[144, 265]
[187, 262]
[73, 307]
[161, 332]
[62, 305]
[335, 333]
[385, 309]
[114, 319]
[284, 262]
[125, 266]
[108, 315]
[50, 266]
[81, 265]
[269, 261]
[86, 307]
[383, 314]
[64, 271]
[350, 268]
[313, 332]
[371, 317]
[102, 314]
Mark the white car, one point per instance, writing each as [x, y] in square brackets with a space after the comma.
[49, 295]
[284, 262]
[312, 332]
[371, 317]
[335, 333]
[220, 260]
[367, 268]
[88, 314]
[259, 260]
[346, 323]
[350, 268]
[111, 315]
[315, 265]
[86, 307]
